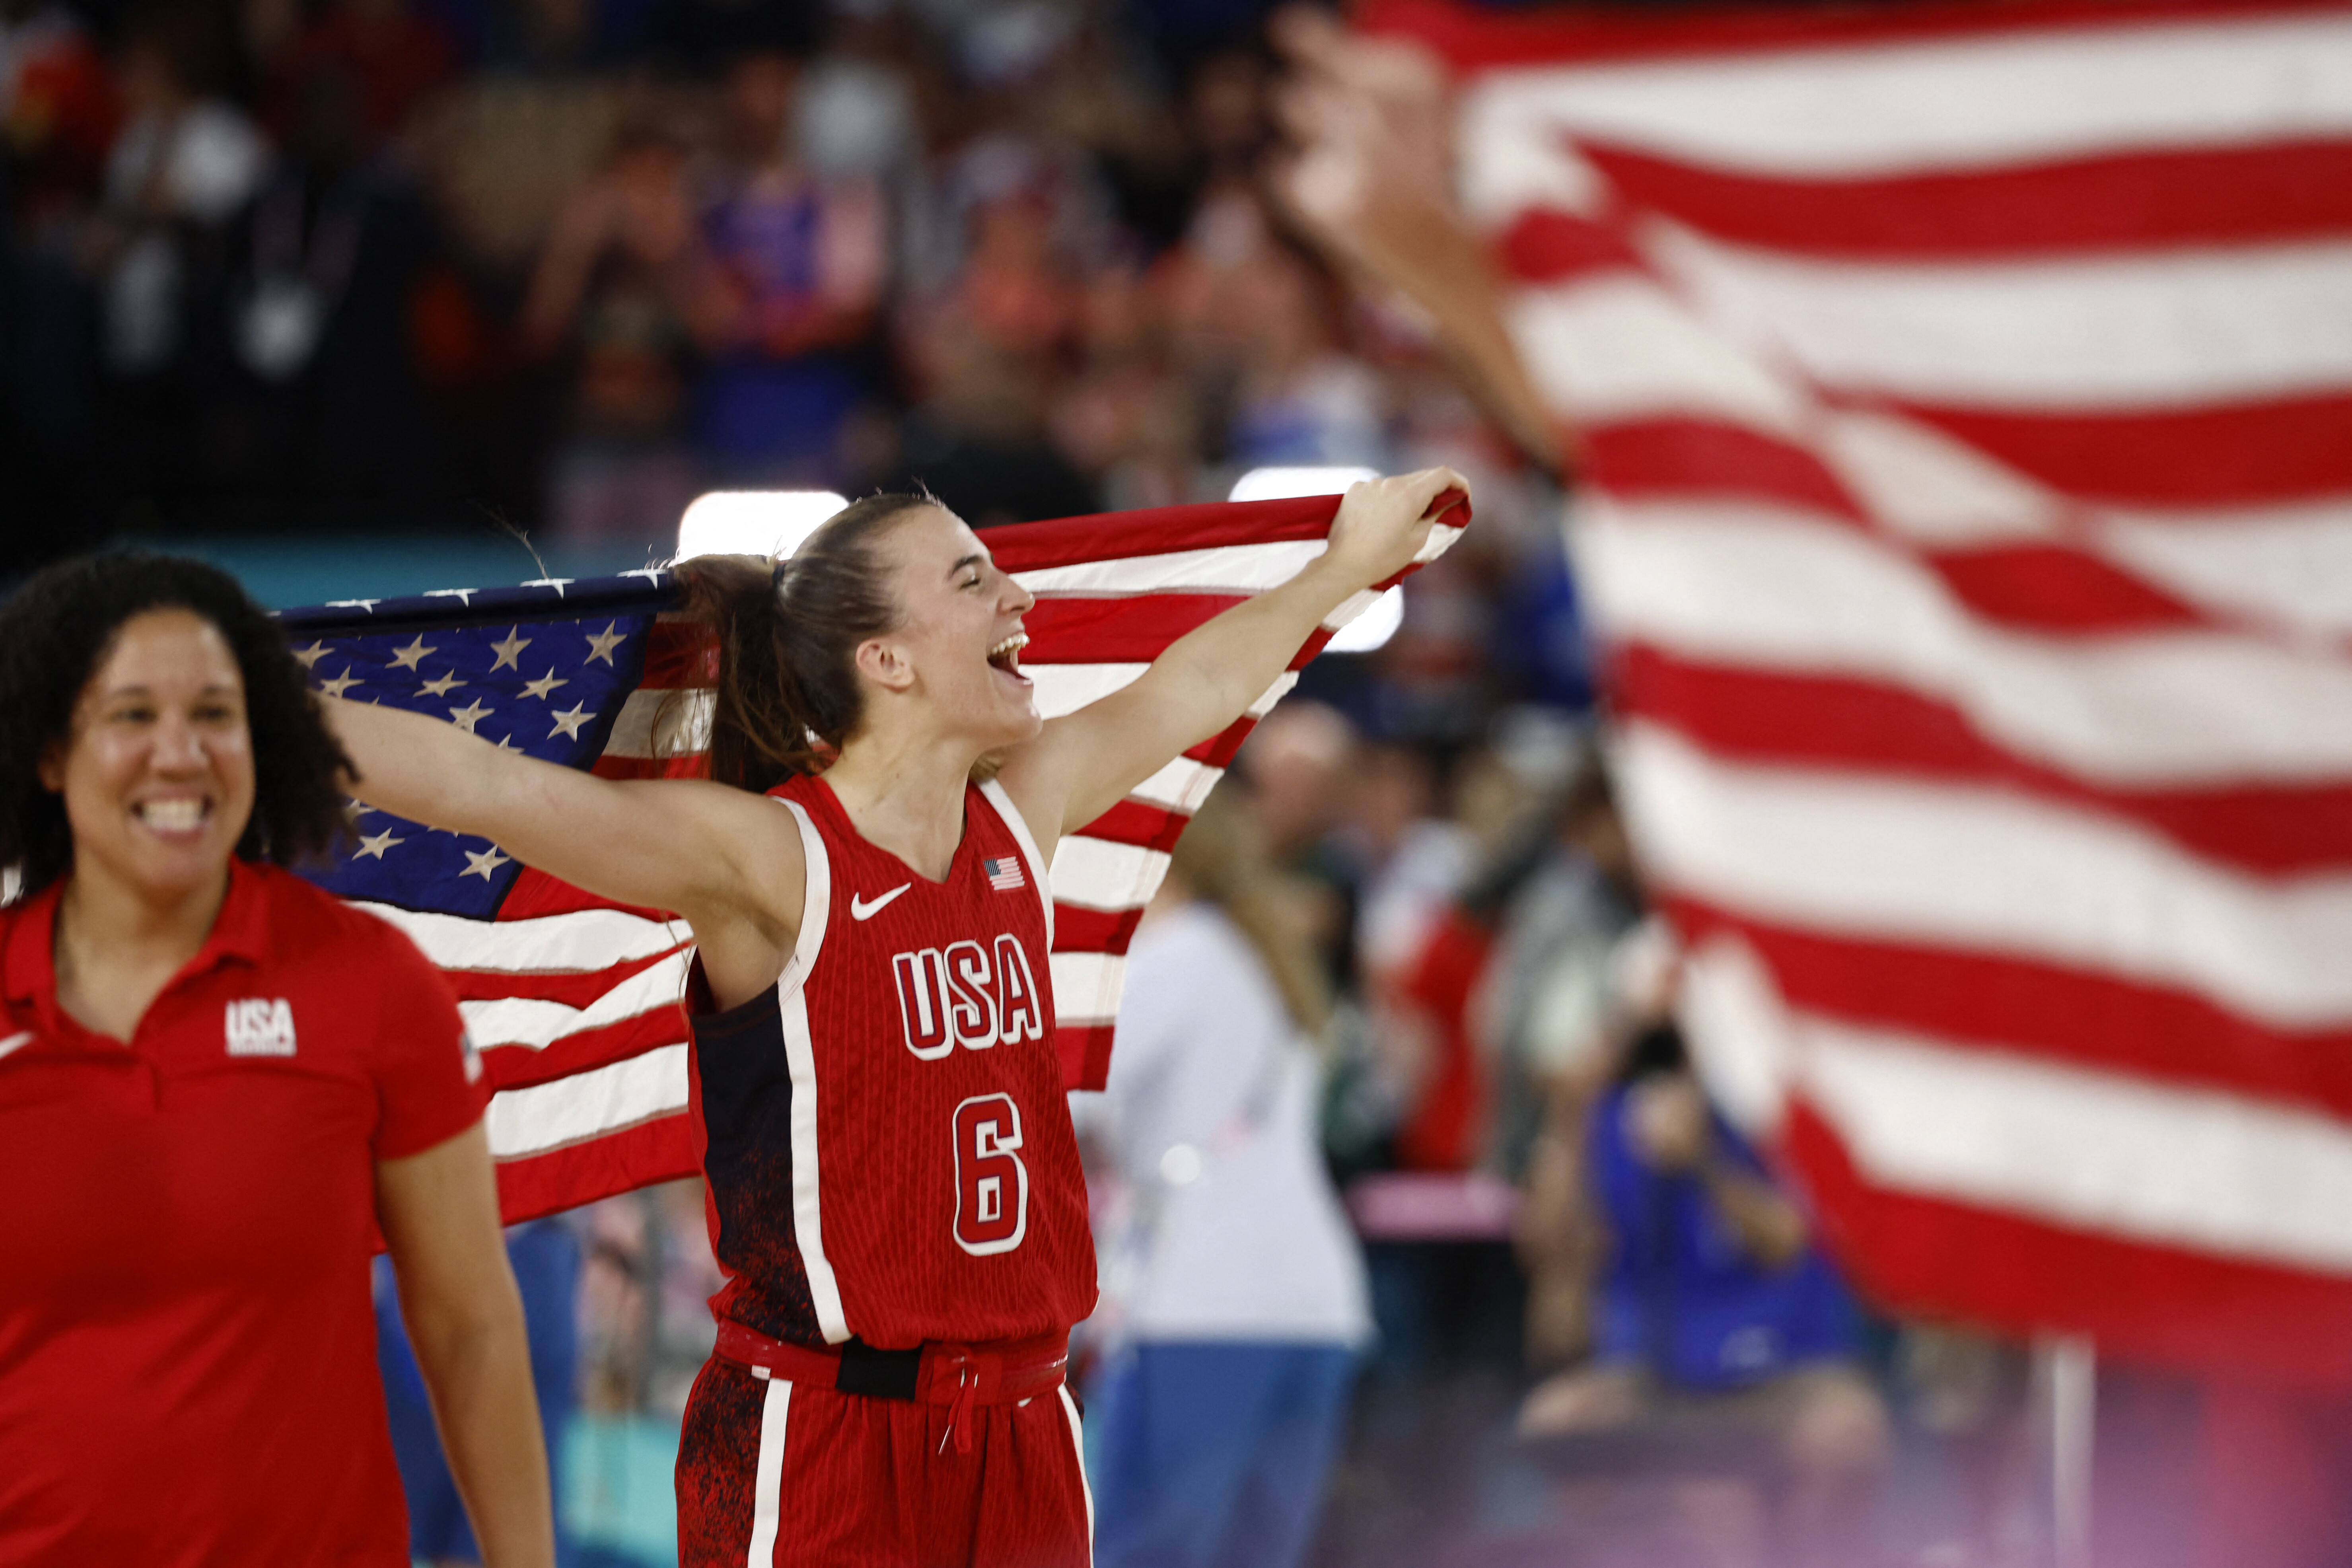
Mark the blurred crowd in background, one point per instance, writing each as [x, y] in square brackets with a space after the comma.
[562, 265]
[336, 267]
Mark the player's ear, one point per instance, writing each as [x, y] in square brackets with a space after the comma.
[886, 664]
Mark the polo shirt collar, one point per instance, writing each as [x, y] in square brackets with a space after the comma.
[27, 970]
[240, 931]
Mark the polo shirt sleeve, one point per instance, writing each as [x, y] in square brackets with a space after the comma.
[429, 1081]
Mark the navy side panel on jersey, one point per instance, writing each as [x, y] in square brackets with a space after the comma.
[746, 1092]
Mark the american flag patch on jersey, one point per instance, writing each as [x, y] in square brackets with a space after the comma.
[1004, 875]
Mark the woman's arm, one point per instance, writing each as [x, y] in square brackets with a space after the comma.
[439, 1212]
[730, 862]
[1082, 764]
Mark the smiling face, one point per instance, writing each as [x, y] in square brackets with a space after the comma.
[157, 771]
[958, 644]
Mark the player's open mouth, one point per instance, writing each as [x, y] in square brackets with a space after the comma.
[1006, 656]
[175, 817]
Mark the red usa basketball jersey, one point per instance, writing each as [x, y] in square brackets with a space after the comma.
[888, 1146]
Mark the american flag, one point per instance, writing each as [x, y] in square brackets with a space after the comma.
[574, 1002]
[1004, 875]
[1966, 400]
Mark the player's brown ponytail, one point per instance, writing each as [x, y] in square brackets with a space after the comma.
[787, 642]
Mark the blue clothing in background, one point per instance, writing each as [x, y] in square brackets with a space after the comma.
[546, 1260]
[1211, 1455]
[1681, 1295]
[766, 418]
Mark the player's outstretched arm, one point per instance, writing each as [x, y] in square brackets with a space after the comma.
[671, 843]
[1082, 764]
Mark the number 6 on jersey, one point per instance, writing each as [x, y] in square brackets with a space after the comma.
[992, 1183]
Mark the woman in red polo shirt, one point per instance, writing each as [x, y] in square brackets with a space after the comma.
[217, 1083]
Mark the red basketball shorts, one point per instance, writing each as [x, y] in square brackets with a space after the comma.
[779, 1475]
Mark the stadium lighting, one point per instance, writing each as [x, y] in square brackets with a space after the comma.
[752, 522]
[1275, 484]
[1379, 622]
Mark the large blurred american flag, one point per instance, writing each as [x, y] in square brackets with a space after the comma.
[576, 1003]
[1966, 396]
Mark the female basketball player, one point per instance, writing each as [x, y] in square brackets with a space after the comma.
[895, 1189]
[216, 1084]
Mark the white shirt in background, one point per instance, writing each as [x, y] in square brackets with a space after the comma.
[1227, 1227]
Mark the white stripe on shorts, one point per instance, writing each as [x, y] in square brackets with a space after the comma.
[1078, 1452]
[768, 1477]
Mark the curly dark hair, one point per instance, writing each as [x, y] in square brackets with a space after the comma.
[56, 629]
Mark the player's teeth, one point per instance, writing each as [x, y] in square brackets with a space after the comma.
[172, 816]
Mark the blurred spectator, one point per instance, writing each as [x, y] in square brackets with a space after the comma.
[1125, 416]
[1411, 855]
[386, 57]
[328, 424]
[612, 303]
[1257, 321]
[1715, 1317]
[856, 114]
[798, 265]
[701, 38]
[978, 442]
[1104, 94]
[1560, 963]
[57, 113]
[185, 164]
[56, 117]
[987, 346]
[646, 1277]
[1237, 1297]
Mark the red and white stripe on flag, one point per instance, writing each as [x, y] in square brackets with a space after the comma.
[576, 1003]
[1965, 401]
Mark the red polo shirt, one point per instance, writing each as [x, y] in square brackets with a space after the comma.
[187, 1348]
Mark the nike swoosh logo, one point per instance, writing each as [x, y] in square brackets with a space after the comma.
[24, 1037]
[860, 910]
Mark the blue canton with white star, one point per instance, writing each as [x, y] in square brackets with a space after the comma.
[544, 668]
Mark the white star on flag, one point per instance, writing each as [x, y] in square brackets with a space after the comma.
[407, 657]
[311, 656]
[601, 644]
[340, 685]
[482, 863]
[568, 721]
[543, 685]
[510, 651]
[471, 714]
[374, 844]
[441, 685]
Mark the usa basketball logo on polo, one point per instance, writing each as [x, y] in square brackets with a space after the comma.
[260, 1027]
[963, 995]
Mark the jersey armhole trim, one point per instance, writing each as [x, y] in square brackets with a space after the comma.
[1019, 825]
[816, 901]
[800, 1060]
